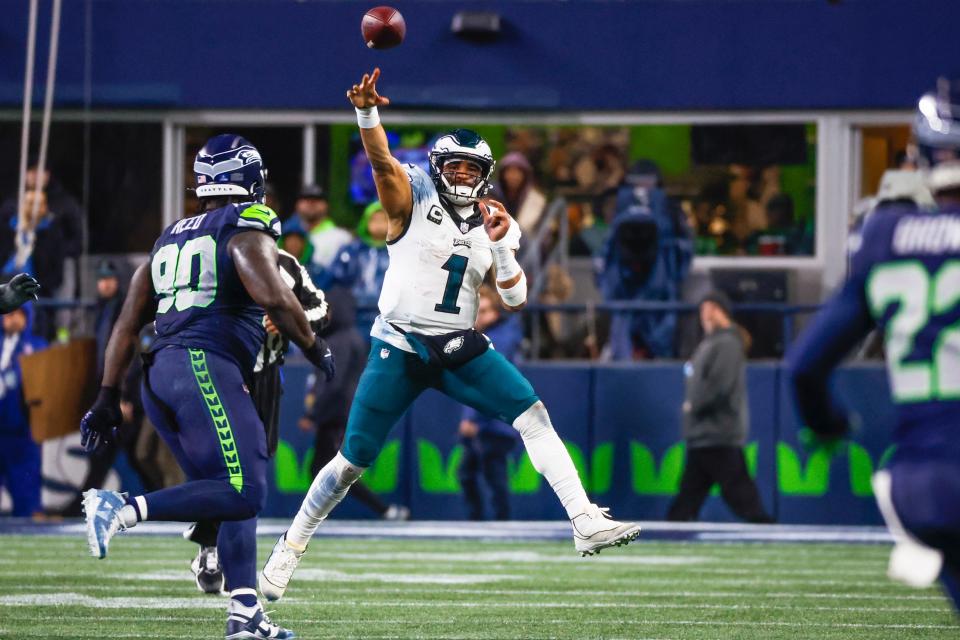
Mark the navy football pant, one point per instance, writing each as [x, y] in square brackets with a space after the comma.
[203, 411]
[926, 495]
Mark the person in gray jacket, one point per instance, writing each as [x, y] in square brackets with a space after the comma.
[716, 419]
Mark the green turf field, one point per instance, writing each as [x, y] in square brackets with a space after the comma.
[368, 588]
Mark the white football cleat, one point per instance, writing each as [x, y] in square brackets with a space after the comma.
[101, 510]
[278, 569]
[594, 530]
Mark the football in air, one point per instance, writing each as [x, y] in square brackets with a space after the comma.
[383, 28]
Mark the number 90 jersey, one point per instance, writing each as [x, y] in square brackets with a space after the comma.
[437, 265]
[201, 302]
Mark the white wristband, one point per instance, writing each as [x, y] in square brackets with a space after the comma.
[515, 295]
[368, 118]
[505, 261]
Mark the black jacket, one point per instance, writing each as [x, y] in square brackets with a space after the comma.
[715, 408]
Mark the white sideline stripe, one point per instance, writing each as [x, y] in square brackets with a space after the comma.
[526, 530]
[332, 575]
[628, 605]
[797, 536]
[326, 575]
[384, 591]
[512, 556]
[81, 600]
[76, 599]
[866, 566]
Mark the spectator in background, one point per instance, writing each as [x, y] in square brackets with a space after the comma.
[716, 419]
[783, 235]
[19, 454]
[40, 249]
[293, 240]
[362, 264]
[109, 302]
[44, 259]
[516, 189]
[327, 403]
[65, 207]
[487, 442]
[646, 258]
[325, 236]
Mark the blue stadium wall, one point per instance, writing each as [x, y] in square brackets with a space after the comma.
[575, 55]
[621, 425]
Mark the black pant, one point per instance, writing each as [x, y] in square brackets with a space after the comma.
[727, 467]
[326, 444]
[266, 391]
[486, 454]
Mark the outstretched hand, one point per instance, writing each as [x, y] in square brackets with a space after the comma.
[22, 288]
[496, 220]
[364, 95]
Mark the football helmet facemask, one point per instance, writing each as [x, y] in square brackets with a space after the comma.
[468, 146]
[937, 130]
[229, 165]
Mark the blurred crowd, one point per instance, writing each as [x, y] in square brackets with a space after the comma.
[573, 193]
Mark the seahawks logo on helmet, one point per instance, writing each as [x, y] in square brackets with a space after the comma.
[937, 130]
[229, 165]
[462, 144]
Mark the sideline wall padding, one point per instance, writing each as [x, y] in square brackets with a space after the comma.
[622, 426]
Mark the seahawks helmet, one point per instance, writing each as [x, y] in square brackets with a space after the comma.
[937, 130]
[228, 165]
[461, 144]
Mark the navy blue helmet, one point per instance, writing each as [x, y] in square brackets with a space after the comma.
[937, 130]
[228, 165]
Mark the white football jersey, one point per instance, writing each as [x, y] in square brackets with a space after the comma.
[436, 268]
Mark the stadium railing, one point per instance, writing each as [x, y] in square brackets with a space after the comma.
[787, 313]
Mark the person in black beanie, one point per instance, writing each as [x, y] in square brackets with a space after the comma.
[716, 419]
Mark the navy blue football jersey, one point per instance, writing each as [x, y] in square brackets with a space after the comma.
[201, 302]
[905, 280]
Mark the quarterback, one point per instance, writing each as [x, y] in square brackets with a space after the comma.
[443, 238]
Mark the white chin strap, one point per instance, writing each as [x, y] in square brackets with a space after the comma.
[461, 194]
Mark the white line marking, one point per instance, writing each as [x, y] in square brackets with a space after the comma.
[329, 575]
[82, 600]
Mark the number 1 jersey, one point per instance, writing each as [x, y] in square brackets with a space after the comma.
[201, 302]
[436, 267]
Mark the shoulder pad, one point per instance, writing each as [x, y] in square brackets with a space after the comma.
[259, 216]
[420, 183]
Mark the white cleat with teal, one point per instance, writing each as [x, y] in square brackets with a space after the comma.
[594, 530]
[102, 511]
[278, 569]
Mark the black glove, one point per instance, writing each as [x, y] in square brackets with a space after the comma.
[99, 426]
[20, 289]
[321, 357]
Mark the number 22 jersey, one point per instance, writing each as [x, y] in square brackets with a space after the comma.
[905, 280]
[201, 302]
